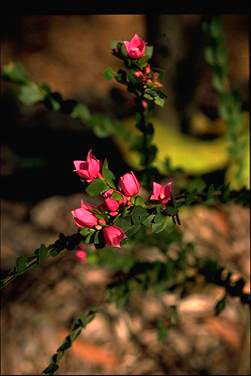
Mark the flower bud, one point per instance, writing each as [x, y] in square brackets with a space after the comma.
[144, 103]
[111, 204]
[135, 47]
[138, 74]
[113, 235]
[147, 69]
[83, 216]
[129, 184]
[89, 169]
[81, 255]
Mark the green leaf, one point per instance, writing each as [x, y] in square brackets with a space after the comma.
[117, 196]
[149, 52]
[219, 306]
[89, 237]
[159, 224]
[96, 187]
[148, 220]
[209, 55]
[218, 83]
[108, 73]
[123, 223]
[21, 264]
[31, 94]
[133, 230]
[108, 174]
[84, 231]
[139, 201]
[100, 131]
[96, 237]
[138, 214]
[15, 71]
[159, 101]
[81, 112]
[43, 253]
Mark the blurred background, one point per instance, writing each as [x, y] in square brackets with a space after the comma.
[39, 188]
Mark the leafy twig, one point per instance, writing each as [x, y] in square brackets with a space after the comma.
[78, 325]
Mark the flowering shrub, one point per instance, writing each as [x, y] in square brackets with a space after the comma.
[123, 216]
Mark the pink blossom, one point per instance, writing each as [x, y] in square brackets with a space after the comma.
[89, 169]
[135, 47]
[129, 184]
[138, 74]
[147, 69]
[144, 103]
[162, 193]
[81, 255]
[109, 193]
[113, 236]
[111, 204]
[83, 216]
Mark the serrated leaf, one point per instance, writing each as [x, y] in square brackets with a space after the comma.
[97, 186]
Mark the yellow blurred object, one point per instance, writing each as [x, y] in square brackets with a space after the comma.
[193, 155]
[201, 124]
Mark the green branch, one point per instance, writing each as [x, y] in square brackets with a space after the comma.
[78, 325]
[23, 263]
[32, 93]
[229, 103]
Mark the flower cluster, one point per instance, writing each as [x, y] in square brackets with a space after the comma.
[100, 220]
[142, 79]
[101, 217]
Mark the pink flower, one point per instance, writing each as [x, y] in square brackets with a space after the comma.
[135, 47]
[111, 204]
[144, 103]
[109, 193]
[129, 184]
[113, 236]
[83, 216]
[138, 74]
[162, 193]
[81, 255]
[89, 169]
[147, 69]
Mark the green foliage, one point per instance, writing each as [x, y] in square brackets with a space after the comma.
[229, 106]
[97, 186]
[78, 325]
[108, 175]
